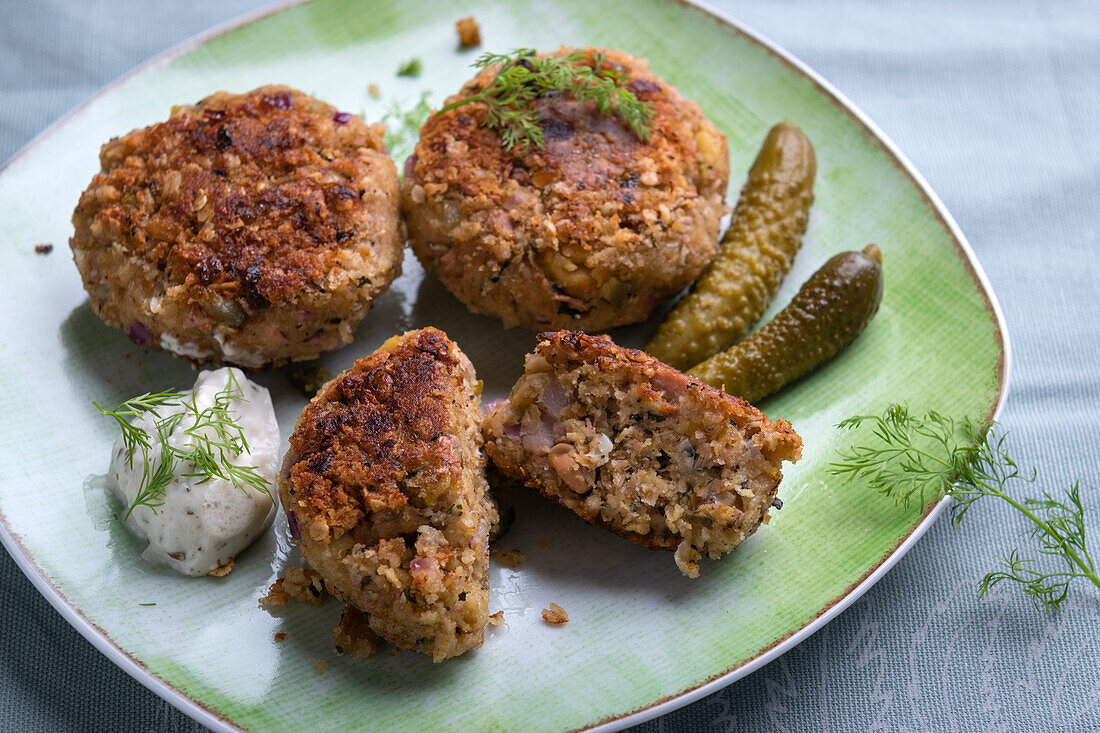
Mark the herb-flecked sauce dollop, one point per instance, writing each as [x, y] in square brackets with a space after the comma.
[202, 525]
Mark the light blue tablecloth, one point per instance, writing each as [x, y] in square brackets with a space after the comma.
[997, 105]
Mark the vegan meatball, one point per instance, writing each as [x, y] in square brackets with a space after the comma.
[249, 229]
[634, 446]
[385, 485]
[590, 231]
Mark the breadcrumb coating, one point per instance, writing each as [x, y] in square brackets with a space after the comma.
[385, 478]
[592, 230]
[249, 229]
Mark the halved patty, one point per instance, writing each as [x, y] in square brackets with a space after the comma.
[630, 444]
[593, 230]
[248, 229]
[385, 481]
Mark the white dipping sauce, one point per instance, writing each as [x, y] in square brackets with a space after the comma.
[202, 526]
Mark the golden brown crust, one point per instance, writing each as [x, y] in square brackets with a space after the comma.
[573, 347]
[590, 231]
[387, 417]
[268, 210]
[385, 486]
[220, 225]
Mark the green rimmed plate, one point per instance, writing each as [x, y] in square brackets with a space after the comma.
[641, 639]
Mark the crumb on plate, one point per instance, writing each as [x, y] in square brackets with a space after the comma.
[297, 584]
[555, 615]
[510, 559]
[223, 570]
[469, 35]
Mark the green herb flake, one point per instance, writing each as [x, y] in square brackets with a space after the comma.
[403, 127]
[410, 68]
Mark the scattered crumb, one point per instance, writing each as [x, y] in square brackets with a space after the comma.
[296, 584]
[353, 635]
[43, 249]
[276, 596]
[496, 619]
[767, 519]
[280, 636]
[320, 664]
[510, 559]
[223, 570]
[507, 514]
[309, 379]
[545, 545]
[469, 35]
[555, 615]
[374, 91]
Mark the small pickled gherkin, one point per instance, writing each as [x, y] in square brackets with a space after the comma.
[829, 312]
[756, 253]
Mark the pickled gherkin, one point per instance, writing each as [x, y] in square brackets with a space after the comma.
[756, 253]
[829, 312]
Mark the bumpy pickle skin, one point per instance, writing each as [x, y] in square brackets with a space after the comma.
[756, 253]
[829, 312]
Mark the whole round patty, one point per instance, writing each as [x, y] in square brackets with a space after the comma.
[250, 229]
[591, 231]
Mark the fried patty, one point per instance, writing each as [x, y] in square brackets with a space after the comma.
[385, 481]
[248, 229]
[592, 230]
[632, 445]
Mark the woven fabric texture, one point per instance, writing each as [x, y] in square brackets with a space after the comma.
[996, 105]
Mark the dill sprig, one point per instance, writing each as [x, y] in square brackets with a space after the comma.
[523, 77]
[123, 415]
[403, 127]
[924, 458]
[214, 439]
[411, 67]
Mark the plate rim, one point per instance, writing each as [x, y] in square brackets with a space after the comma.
[99, 639]
[933, 510]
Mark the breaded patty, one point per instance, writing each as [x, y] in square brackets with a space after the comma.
[591, 231]
[249, 229]
[385, 483]
[632, 445]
